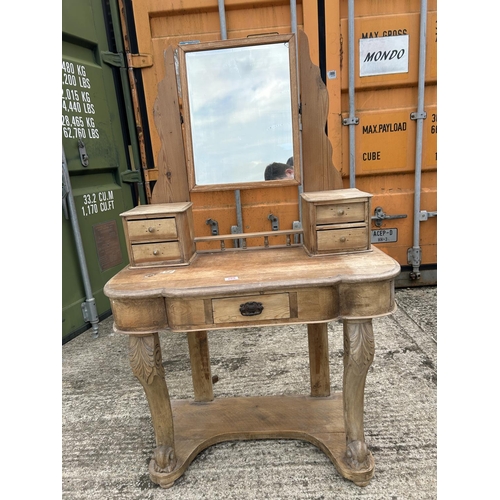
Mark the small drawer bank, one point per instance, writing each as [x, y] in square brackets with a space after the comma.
[336, 221]
[159, 235]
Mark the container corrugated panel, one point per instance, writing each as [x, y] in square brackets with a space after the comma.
[91, 119]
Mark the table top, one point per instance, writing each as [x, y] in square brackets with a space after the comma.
[255, 270]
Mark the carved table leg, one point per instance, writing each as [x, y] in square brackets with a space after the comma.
[319, 361]
[200, 366]
[146, 362]
[359, 350]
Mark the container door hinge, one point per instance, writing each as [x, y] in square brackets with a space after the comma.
[418, 116]
[139, 60]
[130, 176]
[113, 59]
[133, 60]
[424, 215]
[380, 216]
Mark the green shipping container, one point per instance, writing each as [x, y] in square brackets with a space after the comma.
[98, 180]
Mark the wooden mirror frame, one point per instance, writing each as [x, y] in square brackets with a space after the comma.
[188, 145]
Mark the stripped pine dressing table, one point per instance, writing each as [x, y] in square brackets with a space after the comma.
[189, 284]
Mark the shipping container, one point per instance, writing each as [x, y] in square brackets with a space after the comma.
[378, 62]
[99, 179]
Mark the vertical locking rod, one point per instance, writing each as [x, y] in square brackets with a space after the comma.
[415, 253]
[89, 308]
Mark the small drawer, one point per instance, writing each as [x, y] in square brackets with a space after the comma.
[251, 308]
[340, 213]
[152, 229]
[156, 252]
[342, 240]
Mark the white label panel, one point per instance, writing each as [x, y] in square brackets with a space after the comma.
[384, 55]
[386, 235]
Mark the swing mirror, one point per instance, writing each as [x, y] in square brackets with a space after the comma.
[240, 111]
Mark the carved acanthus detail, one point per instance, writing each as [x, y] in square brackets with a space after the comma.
[359, 345]
[145, 357]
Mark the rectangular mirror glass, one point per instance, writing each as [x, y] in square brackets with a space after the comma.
[240, 111]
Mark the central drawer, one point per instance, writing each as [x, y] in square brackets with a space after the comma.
[275, 307]
[251, 308]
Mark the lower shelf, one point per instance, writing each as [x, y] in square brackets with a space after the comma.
[319, 421]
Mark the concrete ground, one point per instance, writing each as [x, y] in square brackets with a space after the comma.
[107, 438]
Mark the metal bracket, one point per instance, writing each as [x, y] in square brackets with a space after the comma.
[350, 121]
[296, 224]
[380, 216]
[418, 116]
[89, 311]
[215, 226]
[275, 224]
[415, 259]
[84, 157]
[133, 60]
[139, 60]
[424, 215]
[113, 59]
[414, 256]
[131, 176]
[65, 193]
[237, 230]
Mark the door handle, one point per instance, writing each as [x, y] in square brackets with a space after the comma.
[380, 216]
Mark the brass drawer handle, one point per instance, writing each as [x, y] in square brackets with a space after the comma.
[251, 308]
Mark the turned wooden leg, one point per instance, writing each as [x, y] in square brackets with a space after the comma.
[200, 366]
[145, 359]
[319, 361]
[359, 350]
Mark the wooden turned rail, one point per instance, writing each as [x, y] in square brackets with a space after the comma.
[244, 236]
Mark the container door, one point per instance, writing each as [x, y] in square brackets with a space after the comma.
[386, 77]
[97, 159]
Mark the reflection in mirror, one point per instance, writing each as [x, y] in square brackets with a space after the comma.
[240, 111]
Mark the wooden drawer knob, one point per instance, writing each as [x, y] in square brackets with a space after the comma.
[156, 252]
[151, 229]
[340, 211]
[342, 239]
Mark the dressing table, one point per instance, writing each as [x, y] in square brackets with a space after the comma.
[190, 283]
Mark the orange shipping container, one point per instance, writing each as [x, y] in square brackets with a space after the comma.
[381, 123]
